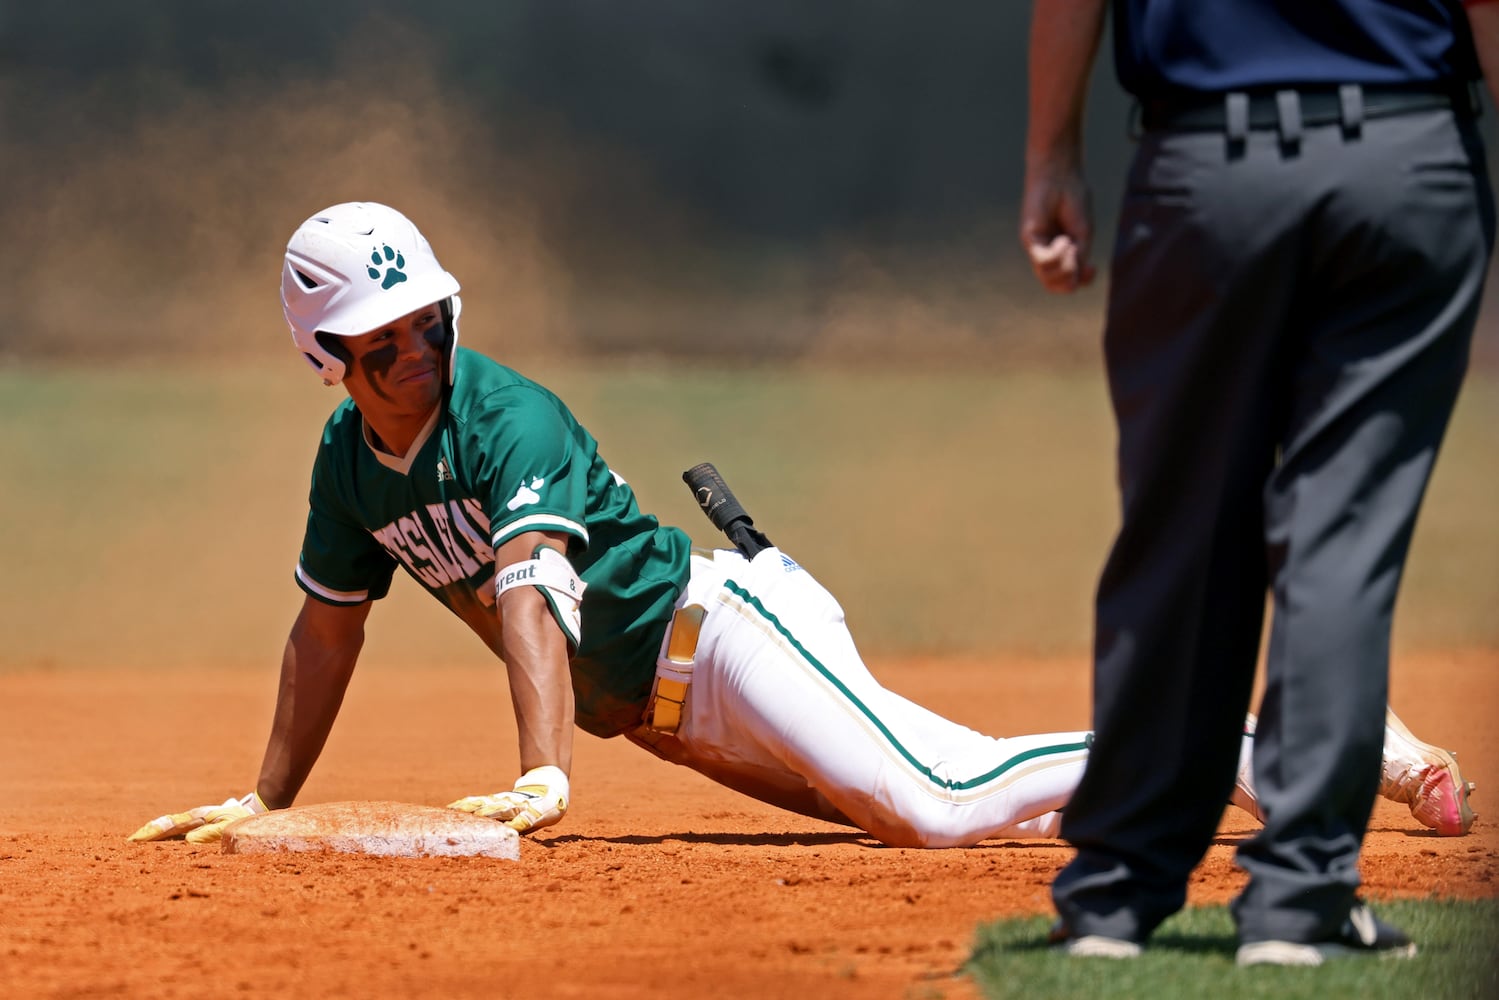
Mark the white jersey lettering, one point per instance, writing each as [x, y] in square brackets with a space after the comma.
[466, 567]
[437, 553]
[420, 559]
[439, 544]
[474, 526]
[395, 543]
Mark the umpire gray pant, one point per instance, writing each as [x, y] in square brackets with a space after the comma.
[1289, 321]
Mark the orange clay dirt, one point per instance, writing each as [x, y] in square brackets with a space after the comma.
[657, 884]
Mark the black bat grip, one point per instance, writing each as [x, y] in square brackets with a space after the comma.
[723, 509]
[714, 496]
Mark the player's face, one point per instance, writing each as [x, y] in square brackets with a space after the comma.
[398, 369]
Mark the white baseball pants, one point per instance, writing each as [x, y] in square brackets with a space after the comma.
[781, 706]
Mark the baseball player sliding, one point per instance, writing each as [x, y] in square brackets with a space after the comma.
[481, 485]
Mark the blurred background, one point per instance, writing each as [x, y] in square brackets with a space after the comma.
[769, 182]
[779, 236]
[832, 182]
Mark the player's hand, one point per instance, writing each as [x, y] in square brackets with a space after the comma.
[202, 825]
[539, 799]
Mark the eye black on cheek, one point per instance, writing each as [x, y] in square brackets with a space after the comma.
[378, 362]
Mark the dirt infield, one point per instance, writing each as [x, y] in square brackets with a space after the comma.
[658, 883]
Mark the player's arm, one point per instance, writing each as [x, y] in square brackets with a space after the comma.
[536, 659]
[1056, 225]
[539, 597]
[315, 669]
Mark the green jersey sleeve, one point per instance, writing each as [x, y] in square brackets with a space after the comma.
[341, 562]
[529, 465]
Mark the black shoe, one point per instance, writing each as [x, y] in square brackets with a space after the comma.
[1362, 933]
[1091, 945]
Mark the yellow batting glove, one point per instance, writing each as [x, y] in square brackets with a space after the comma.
[202, 825]
[538, 799]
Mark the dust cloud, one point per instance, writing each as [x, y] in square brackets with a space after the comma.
[158, 235]
[146, 213]
[163, 236]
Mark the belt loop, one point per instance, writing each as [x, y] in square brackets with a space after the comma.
[1288, 113]
[1236, 116]
[1351, 105]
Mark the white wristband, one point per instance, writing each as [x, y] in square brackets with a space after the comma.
[252, 802]
[549, 776]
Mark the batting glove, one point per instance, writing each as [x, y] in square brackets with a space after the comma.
[539, 799]
[202, 825]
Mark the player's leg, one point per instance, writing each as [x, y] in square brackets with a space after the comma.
[770, 783]
[779, 684]
[1426, 778]
[1421, 775]
[1418, 774]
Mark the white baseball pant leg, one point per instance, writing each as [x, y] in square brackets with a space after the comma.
[779, 688]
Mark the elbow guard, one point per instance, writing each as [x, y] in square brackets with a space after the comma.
[549, 572]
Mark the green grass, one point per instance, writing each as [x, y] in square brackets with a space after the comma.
[154, 515]
[1192, 956]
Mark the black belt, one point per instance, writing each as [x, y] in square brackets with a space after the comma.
[1348, 105]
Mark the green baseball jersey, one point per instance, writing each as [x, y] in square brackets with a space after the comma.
[505, 456]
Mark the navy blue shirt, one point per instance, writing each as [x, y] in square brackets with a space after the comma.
[1163, 47]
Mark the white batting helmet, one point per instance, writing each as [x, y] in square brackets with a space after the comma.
[353, 268]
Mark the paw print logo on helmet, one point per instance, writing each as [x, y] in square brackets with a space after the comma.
[392, 261]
